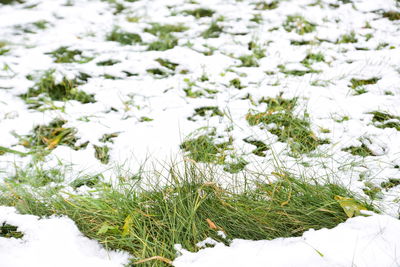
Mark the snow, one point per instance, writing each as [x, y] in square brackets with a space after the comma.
[121, 103]
[360, 241]
[54, 241]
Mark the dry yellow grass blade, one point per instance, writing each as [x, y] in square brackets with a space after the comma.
[158, 258]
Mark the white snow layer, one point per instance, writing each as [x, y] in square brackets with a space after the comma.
[50, 242]
[361, 241]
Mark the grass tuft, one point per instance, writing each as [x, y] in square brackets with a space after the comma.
[65, 55]
[10, 231]
[214, 31]
[392, 15]
[289, 128]
[62, 91]
[147, 221]
[298, 24]
[200, 12]
[263, 5]
[124, 38]
[385, 120]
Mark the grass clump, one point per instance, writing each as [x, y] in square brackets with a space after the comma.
[158, 73]
[62, 91]
[10, 231]
[102, 153]
[362, 150]
[392, 15]
[385, 120]
[108, 62]
[289, 128]
[8, 2]
[347, 38]
[3, 50]
[205, 149]
[263, 5]
[236, 83]
[248, 61]
[301, 42]
[358, 84]
[261, 147]
[298, 24]
[200, 12]
[124, 38]
[147, 221]
[282, 68]
[311, 58]
[166, 39]
[206, 111]
[214, 31]
[167, 64]
[65, 55]
[392, 182]
[50, 136]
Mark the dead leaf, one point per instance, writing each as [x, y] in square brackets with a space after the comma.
[350, 206]
[211, 224]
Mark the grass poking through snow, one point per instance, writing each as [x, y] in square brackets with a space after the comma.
[186, 208]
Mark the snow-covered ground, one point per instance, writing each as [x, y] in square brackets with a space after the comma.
[340, 59]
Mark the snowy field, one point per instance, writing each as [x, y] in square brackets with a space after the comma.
[95, 87]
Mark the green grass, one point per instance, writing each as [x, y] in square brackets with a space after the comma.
[289, 128]
[123, 37]
[261, 147]
[312, 58]
[62, 91]
[50, 136]
[158, 73]
[165, 29]
[298, 24]
[236, 83]
[200, 12]
[167, 64]
[3, 50]
[65, 55]
[102, 153]
[186, 208]
[392, 15]
[263, 5]
[10, 231]
[362, 150]
[205, 149]
[108, 62]
[214, 31]
[358, 84]
[8, 2]
[282, 68]
[385, 120]
[347, 38]
[392, 182]
[248, 61]
[166, 39]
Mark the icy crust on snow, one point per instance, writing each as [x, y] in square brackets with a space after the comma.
[360, 241]
[49, 242]
[123, 101]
